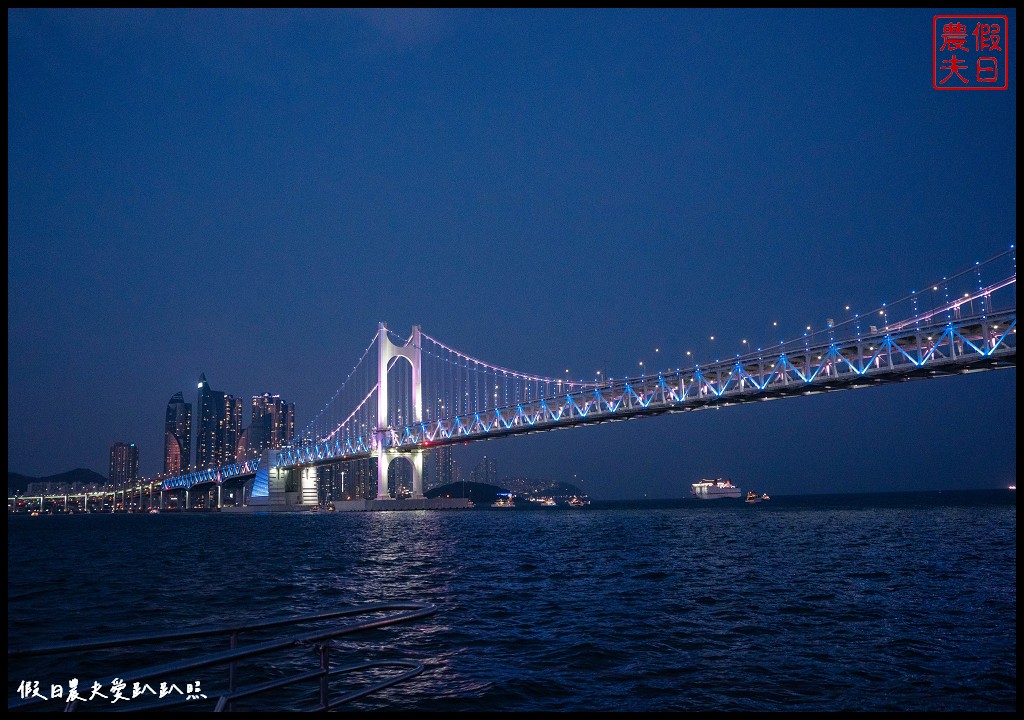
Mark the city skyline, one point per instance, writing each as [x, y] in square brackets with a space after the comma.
[562, 193]
[271, 425]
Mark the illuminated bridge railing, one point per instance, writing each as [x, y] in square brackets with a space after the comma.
[327, 451]
[214, 476]
[927, 350]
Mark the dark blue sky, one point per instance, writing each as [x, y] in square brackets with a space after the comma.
[248, 193]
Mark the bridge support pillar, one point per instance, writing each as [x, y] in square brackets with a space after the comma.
[308, 490]
[384, 460]
[416, 459]
[386, 351]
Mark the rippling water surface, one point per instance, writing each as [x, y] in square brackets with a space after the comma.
[852, 602]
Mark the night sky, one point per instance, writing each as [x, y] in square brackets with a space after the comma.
[248, 193]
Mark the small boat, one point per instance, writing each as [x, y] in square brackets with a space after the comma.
[154, 511]
[765, 497]
[753, 497]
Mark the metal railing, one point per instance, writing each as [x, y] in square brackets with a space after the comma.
[382, 615]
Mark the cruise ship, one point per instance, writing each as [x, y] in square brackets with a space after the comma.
[714, 489]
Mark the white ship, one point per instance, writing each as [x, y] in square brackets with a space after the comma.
[504, 500]
[714, 489]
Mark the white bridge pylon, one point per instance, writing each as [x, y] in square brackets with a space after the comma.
[386, 350]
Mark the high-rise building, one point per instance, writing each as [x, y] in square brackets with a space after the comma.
[486, 471]
[272, 426]
[124, 465]
[231, 429]
[177, 436]
[443, 466]
[219, 427]
[242, 451]
[273, 422]
[208, 410]
[330, 481]
[361, 479]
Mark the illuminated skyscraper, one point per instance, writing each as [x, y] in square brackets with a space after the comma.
[362, 479]
[177, 436]
[231, 429]
[443, 474]
[206, 432]
[486, 471]
[242, 447]
[330, 481]
[220, 424]
[124, 465]
[273, 422]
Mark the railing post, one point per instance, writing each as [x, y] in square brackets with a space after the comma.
[232, 644]
[324, 670]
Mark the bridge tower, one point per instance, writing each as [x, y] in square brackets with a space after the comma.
[411, 352]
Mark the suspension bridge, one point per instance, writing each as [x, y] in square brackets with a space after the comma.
[407, 395]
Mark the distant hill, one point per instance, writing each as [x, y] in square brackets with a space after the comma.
[18, 483]
[479, 493]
